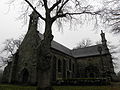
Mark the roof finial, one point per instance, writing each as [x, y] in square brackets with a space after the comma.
[104, 41]
[101, 31]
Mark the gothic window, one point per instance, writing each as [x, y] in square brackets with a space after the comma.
[70, 64]
[59, 66]
[54, 61]
[68, 74]
[73, 68]
[54, 68]
[64, 68]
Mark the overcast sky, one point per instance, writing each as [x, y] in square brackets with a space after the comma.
[11, 27]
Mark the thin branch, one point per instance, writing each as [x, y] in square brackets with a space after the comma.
[55, 5]
[40, 3]
[85, 12]
[116, 14]
[45, 4]
[58, 16]
[115, 23]
[35, 10]
[62, 6]
[118, 18]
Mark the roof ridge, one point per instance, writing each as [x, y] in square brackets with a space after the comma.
[81, 52]
[87, 47]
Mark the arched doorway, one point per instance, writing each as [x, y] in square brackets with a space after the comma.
[25, 76]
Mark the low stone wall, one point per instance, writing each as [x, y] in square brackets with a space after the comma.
[84, 81]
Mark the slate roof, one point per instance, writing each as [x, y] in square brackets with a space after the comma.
[88, 51]
[61, 48]
[58, 46]
[81, 52]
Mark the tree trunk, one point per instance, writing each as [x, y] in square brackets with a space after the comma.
[44, 62]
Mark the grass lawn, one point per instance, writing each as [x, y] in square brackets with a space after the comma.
[15, 87]
[87, 88]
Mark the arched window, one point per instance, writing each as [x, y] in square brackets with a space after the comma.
[64, 68]
[73, 68]
[70, 63]
[59, 66]
[54, 68]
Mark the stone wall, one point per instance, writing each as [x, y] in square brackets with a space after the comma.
[65, 62]
[99, 64]
[27, 61]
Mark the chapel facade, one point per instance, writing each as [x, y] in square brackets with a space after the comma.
[89, 62]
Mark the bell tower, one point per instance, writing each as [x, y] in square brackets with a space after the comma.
[33, 21]
[27, 60]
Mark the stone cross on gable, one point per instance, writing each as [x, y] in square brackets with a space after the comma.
[104, 41]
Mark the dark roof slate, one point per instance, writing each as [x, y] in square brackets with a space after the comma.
[88, 51]
[81, 52]
[58, 46]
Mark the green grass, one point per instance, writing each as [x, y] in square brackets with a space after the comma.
[86, 88]
[15, 87]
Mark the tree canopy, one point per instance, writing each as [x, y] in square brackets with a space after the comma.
[111, 15]
[59, 10]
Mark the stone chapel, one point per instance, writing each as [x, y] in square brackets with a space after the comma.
[89, 62]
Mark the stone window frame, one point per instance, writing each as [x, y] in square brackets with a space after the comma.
[59, 66]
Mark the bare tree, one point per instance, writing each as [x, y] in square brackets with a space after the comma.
[51, 11]
[59, 10]
[110, 14]
[10, 47]
[84, 43]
